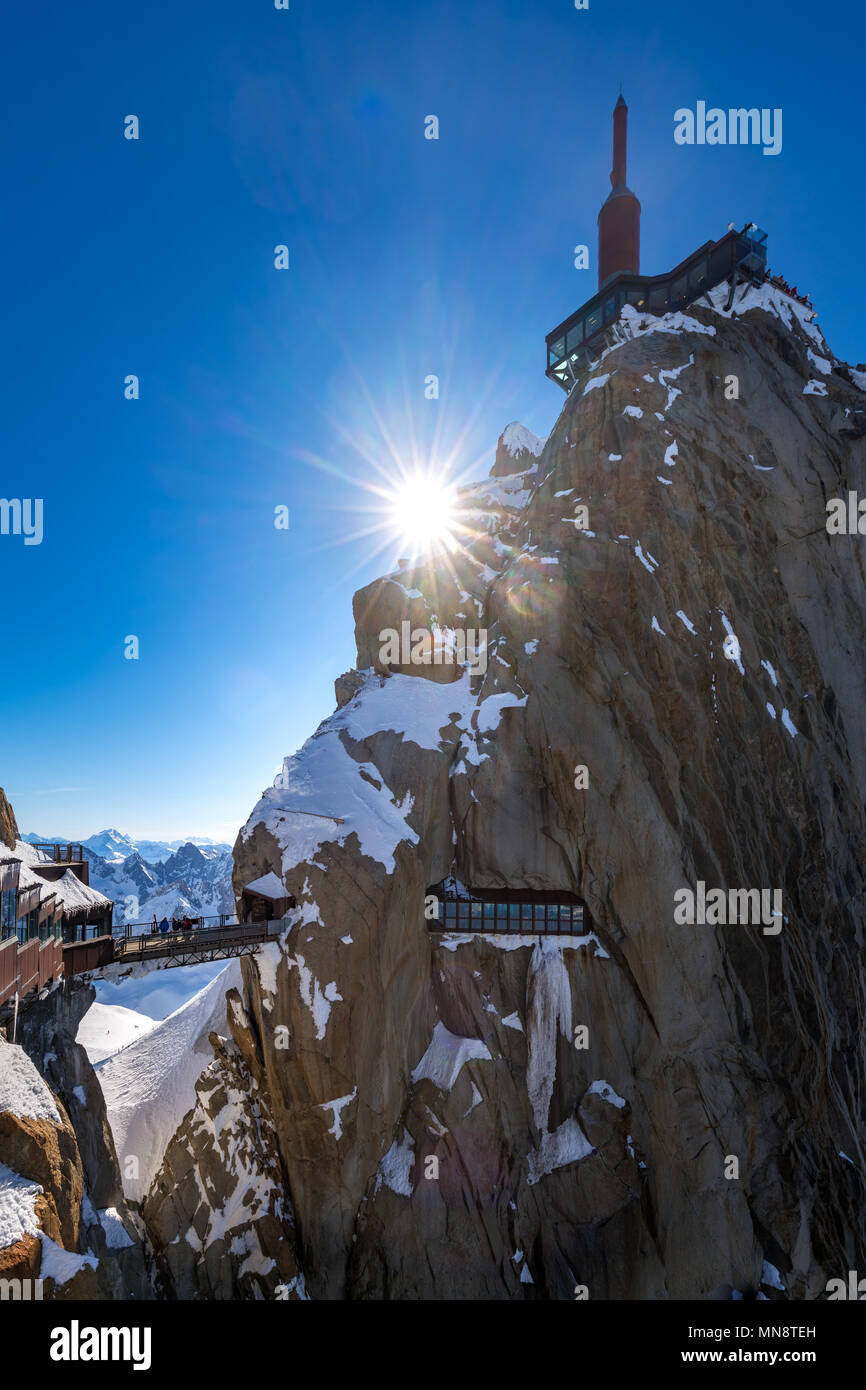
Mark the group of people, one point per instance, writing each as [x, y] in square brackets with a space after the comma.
[792, 290]
[184, 924]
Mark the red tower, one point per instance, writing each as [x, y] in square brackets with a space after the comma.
[619, 218]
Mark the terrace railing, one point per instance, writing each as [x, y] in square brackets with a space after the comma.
[123, 930]
[61, 854]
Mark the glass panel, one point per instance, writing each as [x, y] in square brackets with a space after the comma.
[698, 275]
[636, 297]
[526, 915]
[463, 914]
[502, 916]
[558, 349]
[514, 916]
[451, 912]
[489, 916]
[657, 299]
[610, 307]
[593, 322]
[7, 912]
[539, 916]
[678, 288]
[575, 337]
[552, 917]
[476, 914]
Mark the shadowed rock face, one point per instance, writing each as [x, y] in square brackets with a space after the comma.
[82, 1207]
[697, 646]
[217, 1211]
[8, 826]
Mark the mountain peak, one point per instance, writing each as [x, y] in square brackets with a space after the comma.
[517, 450]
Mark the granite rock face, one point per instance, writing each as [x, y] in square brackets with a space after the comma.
[8, 825]
[81, 1238]
[693, 640]
[217, 1212]
[669, 696]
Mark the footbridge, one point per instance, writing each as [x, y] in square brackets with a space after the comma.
[195, 944]
[133, 945]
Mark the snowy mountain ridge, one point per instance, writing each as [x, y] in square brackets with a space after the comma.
[179, 878]
[114, 845]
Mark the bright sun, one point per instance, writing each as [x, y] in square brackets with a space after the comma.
[422, 513]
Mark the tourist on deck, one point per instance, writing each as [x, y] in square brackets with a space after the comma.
[163, 926]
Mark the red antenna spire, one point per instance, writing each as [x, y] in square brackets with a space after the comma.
[619, 218]
[620, 136]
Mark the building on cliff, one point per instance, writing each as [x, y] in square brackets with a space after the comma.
[45, 901]
[738, 257]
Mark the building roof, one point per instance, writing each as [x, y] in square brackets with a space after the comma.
[269, 886]
[69, 890]
[76, 895]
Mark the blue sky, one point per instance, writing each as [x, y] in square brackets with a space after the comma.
[260, 387]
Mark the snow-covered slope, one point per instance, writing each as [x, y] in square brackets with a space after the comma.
[106, 1028]
[150, 1085]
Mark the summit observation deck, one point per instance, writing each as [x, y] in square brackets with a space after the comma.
[737, 257]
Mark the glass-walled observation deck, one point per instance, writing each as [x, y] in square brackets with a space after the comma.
[569, 345]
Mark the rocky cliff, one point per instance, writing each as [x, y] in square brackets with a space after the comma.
[669, 698]
[8, 825]
[693, 639]
[63, 1216]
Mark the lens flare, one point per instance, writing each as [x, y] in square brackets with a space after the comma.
[421, 511]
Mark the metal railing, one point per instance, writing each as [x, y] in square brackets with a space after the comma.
[123, 930]
[62, 854]
[196, 938]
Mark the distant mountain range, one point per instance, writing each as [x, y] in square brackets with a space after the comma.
[165, 878]
[114, 846]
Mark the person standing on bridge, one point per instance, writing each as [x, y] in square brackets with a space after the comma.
[163, 926]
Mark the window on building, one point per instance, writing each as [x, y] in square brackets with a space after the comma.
[8, 899]
[575, 337]
[557, 350]
[698, 276]
[521, 911]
